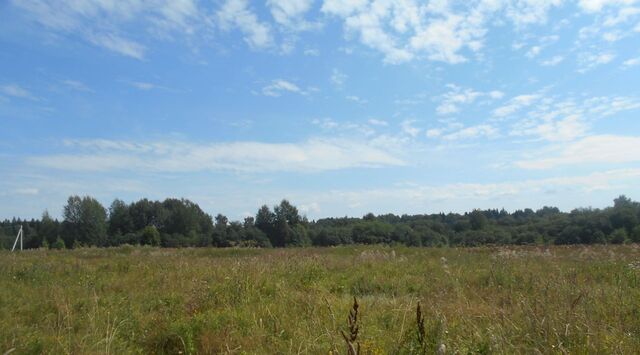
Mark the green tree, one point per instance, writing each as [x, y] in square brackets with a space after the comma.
[619, 236]
[120, 221]
[85, 220]
[150, 236]
[635, 234]
[58, 244]
[478, 220]
[48, 229]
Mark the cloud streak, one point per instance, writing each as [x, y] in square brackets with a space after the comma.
[314, 155]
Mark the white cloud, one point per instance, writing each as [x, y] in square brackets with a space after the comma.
[279, 86]
[443, 39]
[515, 104]
[589, 61]
[312, 52]
[564, 129]
[438, 30]
[533, 51]
[338, 78]
[483, 130]
[118, 44]
[17, 91]
[597, 149]
[456, 96]
[325, 123]
[76, 85]
[624, 15]
[434, 132]
[26, 191]
[146, 86]
[569, 119]
[342, 7]
[356, 99]
[411, 197]
[103, 22]
[290, 13]
[409, 129]
[236, 14]
[377, 122]
[553, 61]
[180, 157]
[598, 5]
[527, 12]
[631, 62]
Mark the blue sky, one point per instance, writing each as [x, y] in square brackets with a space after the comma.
[343, 107]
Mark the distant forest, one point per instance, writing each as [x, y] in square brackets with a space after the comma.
[182, 223]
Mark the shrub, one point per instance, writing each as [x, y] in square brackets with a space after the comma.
[58, 244]
[150, 236]
[619, 236]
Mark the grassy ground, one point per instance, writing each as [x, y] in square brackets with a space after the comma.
[486, 300]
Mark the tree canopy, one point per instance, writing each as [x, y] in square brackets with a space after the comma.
[182, 223]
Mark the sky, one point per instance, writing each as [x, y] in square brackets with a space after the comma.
[342, 107]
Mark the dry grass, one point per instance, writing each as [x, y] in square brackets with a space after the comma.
[483, 300]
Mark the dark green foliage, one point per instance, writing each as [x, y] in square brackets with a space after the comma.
[150, 236]
[619, 236]
[181, 223]
[58, 244]
[85, 221]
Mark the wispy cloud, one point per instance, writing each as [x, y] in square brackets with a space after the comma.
[237, 14]
[103, 22]
[597, 149]
[338, 78]
[570, 118]
[415, 196]
[588, 61]
[631, 62]
[291, 14]
[515, 104]
[451, 101]
[483, 130]
[76, 85]
[280, 86]
[356, 99]
[17, 91]
[118, 44]
[552, 61]
[409, 129]
[377, 122]
[180, 157]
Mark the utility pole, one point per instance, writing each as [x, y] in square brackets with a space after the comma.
[21, 237]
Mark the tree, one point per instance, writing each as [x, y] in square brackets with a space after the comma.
[85, 220]
[619, 236]
[265, 221]
[58, 244]
[150, 236]
[287, 212]
[48, 229]
[120, 221]
[477, 220]
[635, 234]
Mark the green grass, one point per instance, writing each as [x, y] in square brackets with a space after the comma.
[482, 300]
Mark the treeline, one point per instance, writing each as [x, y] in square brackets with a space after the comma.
[182, 223]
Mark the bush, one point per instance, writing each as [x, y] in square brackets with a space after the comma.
[619, 236]
[635, 234]
[150, 236]
[58, 244]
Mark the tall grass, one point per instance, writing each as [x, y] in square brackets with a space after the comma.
[479, 300]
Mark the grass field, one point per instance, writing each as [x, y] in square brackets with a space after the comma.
[486, 300]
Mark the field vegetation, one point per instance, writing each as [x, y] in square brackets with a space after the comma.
[526, 299]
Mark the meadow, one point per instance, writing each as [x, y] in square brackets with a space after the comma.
[143, 300]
